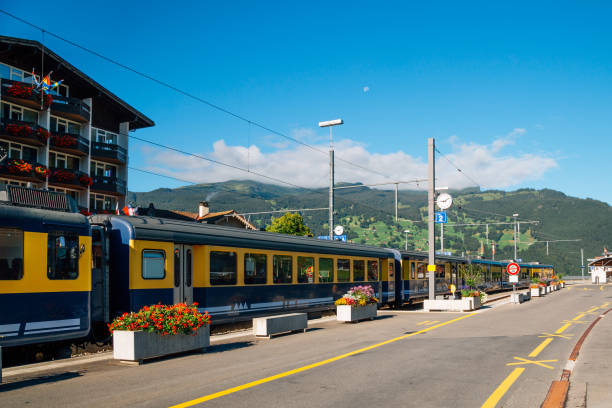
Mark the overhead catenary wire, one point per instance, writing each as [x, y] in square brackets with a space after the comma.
[188, 94]
[457, 168]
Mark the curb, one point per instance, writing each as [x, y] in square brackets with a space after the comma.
[557, 393]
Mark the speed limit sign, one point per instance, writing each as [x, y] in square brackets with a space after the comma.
[513, 268]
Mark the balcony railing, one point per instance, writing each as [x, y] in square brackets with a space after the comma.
[24, 132]
[72, 108]
[69, 178]
[24, 170]
[109, 152]
[111, 185]
[69, 142]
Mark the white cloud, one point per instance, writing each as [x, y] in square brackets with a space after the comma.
[489, 165]
[366, 89]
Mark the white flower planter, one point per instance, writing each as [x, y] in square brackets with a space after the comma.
[452, 305]
[345, 313]
[526, 296]
[535, 292]
[562, 284]
[140, 345]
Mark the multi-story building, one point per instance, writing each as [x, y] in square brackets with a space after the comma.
[74, 140]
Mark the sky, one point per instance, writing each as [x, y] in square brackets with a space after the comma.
[515, 94]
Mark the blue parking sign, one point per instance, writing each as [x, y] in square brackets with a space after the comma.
[440, 217]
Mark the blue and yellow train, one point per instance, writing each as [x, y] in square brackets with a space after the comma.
[62, 274]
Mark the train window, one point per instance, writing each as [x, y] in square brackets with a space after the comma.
[11, 254]
[344, 270]
[372, 270]
[421, 268]
[177, 267]
[305, 269]
[63, 255]
[153, 264]
[358, 270]
[440, 272]
[188, 267]
[255, 269]
[326, 270]
[222, 268]
[412, 270]
[282, 268]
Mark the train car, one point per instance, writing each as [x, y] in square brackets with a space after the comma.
[413, 282]
[45, 275]
[232, 273]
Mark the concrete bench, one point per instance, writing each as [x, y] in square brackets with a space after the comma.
[271, 325]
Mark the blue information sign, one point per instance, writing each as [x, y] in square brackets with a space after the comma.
[336, 237]
[440, 217]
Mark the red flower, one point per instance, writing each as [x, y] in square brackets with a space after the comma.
[85, 180]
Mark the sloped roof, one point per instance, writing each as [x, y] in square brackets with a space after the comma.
[212, 217]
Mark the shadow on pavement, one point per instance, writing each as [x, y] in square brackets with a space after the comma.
[51, 378]
[227, 347]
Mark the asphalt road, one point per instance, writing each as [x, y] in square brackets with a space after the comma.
[409, 359]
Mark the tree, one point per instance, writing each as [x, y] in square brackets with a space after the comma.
[472, 274]
[290, 223]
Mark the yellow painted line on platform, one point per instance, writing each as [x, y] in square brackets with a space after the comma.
[578, 317]
[593, 309]
[601, 287]
[503, 388]
[541, 347]
[536, 362]
[311, 366]
[562, 328]
[563, 336]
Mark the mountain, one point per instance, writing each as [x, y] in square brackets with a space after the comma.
[368, 216]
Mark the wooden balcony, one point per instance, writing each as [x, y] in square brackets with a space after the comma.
[108, 152]
[24, 132]
[69, 178]
[69, 143]
[109, 185]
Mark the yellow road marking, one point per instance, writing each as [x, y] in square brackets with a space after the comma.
[586, 289]
[574, 321]
[601, 287]
[562, 328]
[541, 347]
[423, 322]
[427, 322]
[593, 309]
[310, 366]
[567, 336]
[503, 388]
[536, 362]
[569, 288]
[578, 317]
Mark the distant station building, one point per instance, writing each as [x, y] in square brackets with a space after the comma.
[228, 218]
[601, 269]
[71, 137]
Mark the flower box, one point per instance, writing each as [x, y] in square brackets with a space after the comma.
[141, 345]
[562, 284]
[453, 305]
[346, 313]
[535, 292]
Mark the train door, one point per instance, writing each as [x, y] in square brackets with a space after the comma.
[183, 274]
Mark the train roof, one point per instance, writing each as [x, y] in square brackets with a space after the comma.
[424, 255]
[39, 220]
[195, 233]
[504, 263]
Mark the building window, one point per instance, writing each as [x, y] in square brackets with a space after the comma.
[282, 268]
[63, 255]
[153, 264]
[102, 202]
[70, 193]
[255, 269]
[15, 112]
[19, 151]
[103, 136]
[358, 271]
[99, 169]
[64, 126]
[63, 161]
[222, 268]
[344, 270]
[305, 269]
[326, 270]
[11, 254]
[372, 270]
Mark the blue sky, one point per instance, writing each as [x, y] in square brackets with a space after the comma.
[517, 94]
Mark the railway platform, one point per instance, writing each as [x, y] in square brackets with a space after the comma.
[502, 355]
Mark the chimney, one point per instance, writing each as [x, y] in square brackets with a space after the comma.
[203, 209]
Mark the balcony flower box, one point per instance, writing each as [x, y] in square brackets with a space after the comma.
[357, 304]
[159, 330]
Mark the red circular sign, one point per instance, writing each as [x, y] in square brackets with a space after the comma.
[513, 268]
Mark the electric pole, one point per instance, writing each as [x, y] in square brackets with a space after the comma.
[330, 124]
[431, 267]
[396, 184]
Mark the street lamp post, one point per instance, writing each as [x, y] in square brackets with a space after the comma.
[406, 233]
[330, 124]
[515, 215]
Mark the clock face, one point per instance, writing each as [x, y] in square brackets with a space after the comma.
[444, 201]
[338, 230]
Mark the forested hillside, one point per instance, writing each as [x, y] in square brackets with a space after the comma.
[368, 217]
